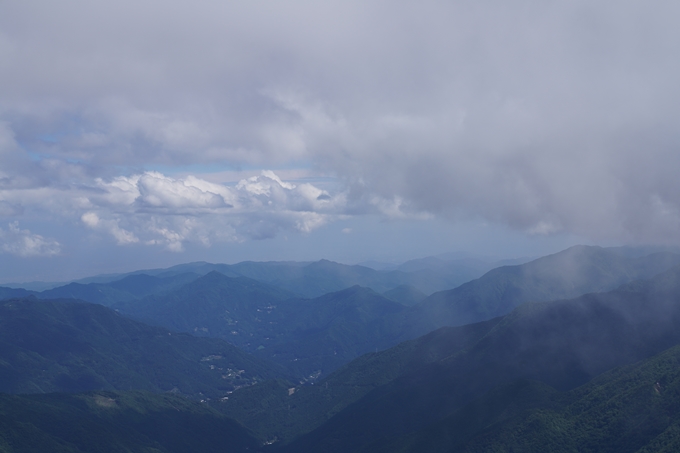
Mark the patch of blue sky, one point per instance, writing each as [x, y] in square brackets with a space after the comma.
[40, 140]
[36, 157]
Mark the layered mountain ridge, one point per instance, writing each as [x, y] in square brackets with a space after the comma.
[525, 357]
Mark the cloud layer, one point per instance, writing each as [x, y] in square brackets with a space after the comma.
[548, 117]
[164, 210]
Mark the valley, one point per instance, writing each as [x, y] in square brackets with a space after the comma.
[385, 360]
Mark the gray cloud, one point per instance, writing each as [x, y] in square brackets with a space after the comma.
[548, 117]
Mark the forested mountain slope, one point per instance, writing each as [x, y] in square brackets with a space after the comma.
[113, 422]
[630, 409]
[271, 411]
[307, 336]
[562, 344]
[50, 346]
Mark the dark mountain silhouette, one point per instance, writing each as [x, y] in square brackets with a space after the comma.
[52, 346]
[112, 422]
[271, 411]
[629, 409]
[129, 288]
[8, 293]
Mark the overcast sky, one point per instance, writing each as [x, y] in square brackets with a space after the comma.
[148, 133]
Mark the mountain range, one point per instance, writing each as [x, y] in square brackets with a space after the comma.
[560, 344]
[575, 351]
[311, 337]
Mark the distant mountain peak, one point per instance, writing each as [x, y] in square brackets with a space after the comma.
[324, 263]
[215, 274]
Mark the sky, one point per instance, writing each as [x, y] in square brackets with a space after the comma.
[149, 133]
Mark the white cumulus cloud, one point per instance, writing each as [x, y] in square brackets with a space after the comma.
[111, 226]
[23, 243]
[155, 209]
